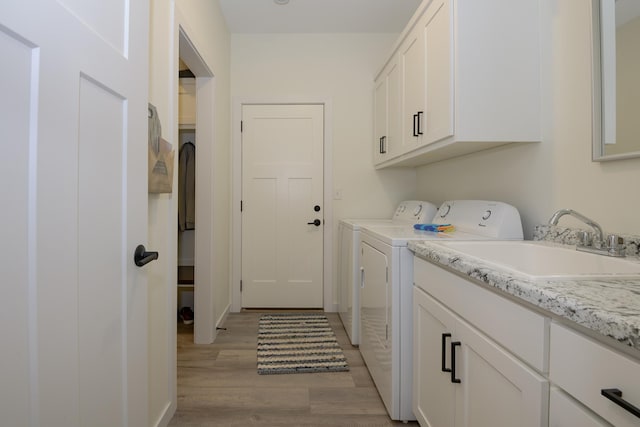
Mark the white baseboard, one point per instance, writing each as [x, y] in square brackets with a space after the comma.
[224, 316]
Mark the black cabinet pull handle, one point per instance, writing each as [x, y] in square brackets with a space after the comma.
[454, 344]
[415, 127]
[615, 395]
[444, 352]
[142, 257]
[315, 222]
[383, 145]
[420, 113]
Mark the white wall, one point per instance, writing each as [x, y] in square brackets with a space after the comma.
[339, 67]
[558, 172]
[209, 33]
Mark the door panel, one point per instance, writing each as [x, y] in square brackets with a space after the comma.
[76, 183]
[16, 247]
[100, 273]
[282, 182]
[109, 22]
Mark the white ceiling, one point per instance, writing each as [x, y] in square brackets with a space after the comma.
[318, 16]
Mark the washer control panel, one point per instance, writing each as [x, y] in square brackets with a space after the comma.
[414, 212]
[492, 219]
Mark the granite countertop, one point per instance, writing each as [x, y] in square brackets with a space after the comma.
[610, 307]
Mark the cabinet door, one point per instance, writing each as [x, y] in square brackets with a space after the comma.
[413, 78]
[437, 121]
[433, 391]
[388, 113]
[394, 108]
[380, 142]
[495, 388]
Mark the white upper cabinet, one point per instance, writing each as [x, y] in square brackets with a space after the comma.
[387, 127]
[470, 80]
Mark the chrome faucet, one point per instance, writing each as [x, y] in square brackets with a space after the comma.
[613, 246]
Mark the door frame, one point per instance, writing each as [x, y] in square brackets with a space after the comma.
[236, 190]
[204, 327]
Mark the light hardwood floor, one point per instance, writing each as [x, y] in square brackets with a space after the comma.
[218, 385]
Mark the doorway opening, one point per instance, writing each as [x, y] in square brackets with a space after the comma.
[196, 95]
[186, 193]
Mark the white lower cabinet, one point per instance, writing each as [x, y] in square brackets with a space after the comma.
[484, 360]
[463, 378]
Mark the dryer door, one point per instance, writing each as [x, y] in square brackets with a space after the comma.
[375, 325]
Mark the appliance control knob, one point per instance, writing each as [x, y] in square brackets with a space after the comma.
[417, 210]
[486, 215]
[444, 210]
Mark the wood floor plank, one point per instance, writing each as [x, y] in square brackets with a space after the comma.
[218, 384]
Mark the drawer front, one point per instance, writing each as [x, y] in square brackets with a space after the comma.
[566, 412]
[584, 367]
[523, 332]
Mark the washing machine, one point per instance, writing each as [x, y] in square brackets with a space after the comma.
[407, 213]
[386, 281]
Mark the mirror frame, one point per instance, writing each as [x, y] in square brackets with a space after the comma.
[601, 117]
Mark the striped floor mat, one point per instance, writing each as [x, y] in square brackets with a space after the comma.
[297, 343]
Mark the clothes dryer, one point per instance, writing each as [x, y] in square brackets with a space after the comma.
[386, 281]
[406, 214]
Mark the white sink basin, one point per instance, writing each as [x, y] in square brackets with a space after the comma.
[540, 260]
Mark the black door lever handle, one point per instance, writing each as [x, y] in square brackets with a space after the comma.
[315, 222]
[142, 257]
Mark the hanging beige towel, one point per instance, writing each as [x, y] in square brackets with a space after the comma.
[161, 168]
[161, 157]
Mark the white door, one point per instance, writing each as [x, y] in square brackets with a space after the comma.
[282, 197]
[73, 172]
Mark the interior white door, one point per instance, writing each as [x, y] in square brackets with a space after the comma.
[282, 196]
[73, 168]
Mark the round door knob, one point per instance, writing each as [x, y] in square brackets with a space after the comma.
[315, 222]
